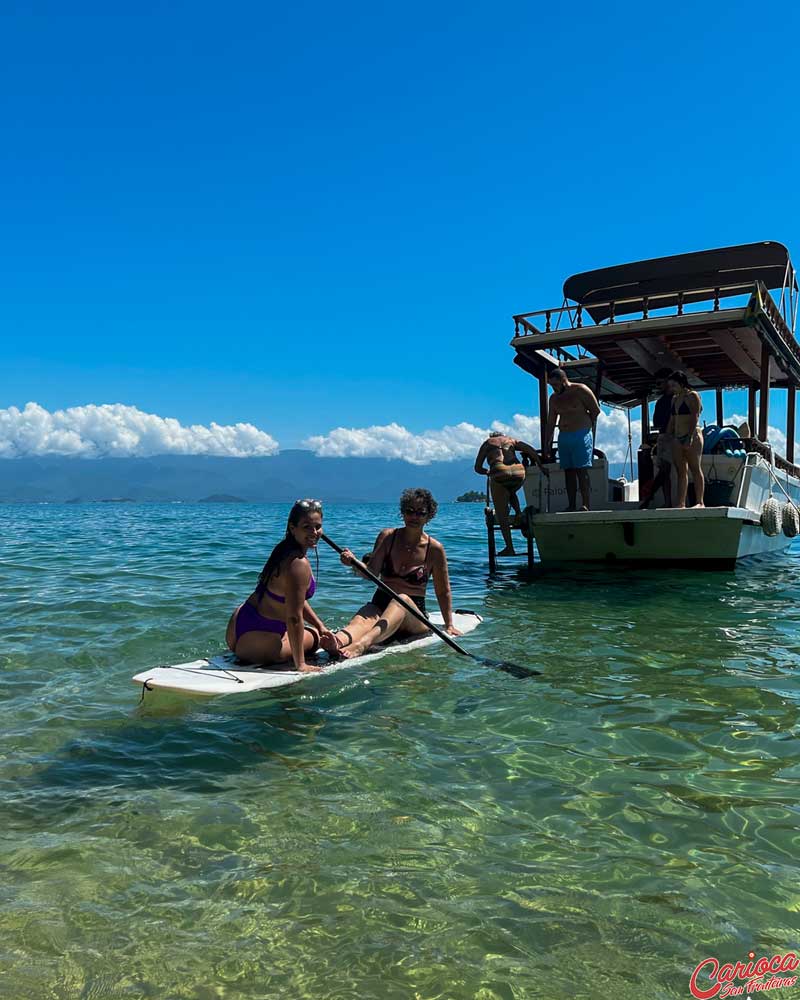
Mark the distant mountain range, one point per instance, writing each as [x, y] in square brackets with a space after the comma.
[199, 478]
[283, 477]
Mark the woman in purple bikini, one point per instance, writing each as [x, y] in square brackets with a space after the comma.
[276, 622]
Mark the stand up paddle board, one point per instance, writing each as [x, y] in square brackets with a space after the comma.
[225, 674]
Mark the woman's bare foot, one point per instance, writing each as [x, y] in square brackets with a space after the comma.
[334, 644]
[507, 552]
[699, 505]
[354, 649]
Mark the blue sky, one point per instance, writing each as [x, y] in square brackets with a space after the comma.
[324, 215]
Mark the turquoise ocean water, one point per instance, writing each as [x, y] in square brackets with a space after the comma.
[442, 831]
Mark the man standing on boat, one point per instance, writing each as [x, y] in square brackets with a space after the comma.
[574, 407]
[506, 474]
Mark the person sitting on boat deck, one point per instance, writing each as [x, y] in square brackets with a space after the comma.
[506, 474]
[687, 445]
[662, 451]
[576, 409]
[269, 627]
[404, 558]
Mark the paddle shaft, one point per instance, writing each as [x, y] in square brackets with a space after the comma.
[412, 609]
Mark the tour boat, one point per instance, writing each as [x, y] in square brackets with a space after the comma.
[727, 318]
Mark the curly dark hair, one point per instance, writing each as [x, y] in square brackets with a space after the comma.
[418, 497]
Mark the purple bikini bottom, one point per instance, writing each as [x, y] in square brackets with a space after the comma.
[249, 620]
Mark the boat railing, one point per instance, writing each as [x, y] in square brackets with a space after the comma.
[640, 308]
[767, 452]
[755, 460]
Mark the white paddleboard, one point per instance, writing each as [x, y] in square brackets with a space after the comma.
[224, 674]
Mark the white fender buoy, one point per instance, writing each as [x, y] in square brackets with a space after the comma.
[790, 522]
[771, 517]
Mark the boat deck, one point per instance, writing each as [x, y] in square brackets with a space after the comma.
[629, 513]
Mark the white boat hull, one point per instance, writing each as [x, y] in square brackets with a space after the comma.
[711, 535]
[623, 533]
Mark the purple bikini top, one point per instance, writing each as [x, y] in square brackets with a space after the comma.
[312, 588]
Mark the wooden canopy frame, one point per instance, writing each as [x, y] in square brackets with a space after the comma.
[674, 319]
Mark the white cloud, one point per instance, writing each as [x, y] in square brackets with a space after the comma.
[456, 441]
[395, 441]
[612, 434]
[463, 440]
[117, 431]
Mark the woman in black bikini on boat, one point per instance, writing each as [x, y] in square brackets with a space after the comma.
[405, 558]
[687, 444]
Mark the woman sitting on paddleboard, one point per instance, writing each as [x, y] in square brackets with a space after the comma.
[404, 558]
[270, 626]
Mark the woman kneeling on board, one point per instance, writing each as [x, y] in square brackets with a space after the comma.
[269, 627]
[404, 558]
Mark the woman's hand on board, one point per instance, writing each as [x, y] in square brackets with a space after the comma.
[309, 668]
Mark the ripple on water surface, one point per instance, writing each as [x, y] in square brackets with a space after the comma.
[441, 831]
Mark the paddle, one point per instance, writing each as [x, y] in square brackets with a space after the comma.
[510, 668]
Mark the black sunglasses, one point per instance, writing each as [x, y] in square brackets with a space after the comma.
[309, 504]
[415, 511]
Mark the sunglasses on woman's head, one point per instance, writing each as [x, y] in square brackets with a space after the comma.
[309, 504]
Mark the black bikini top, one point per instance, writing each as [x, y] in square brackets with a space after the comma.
[418, 575]
[683, 409]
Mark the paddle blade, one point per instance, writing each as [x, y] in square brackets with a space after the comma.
[515, 669]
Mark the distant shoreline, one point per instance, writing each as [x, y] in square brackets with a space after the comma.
[197, 503]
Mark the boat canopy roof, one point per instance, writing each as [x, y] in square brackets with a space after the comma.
[639, 326]
[733, 270]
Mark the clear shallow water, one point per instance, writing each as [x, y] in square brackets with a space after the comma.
[443, 831]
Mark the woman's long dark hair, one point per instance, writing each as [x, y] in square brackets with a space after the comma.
[679, 377]
[287, 546]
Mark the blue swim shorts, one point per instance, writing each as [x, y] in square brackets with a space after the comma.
[575, 449]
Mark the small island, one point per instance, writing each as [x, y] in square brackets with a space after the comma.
[471, 496]
[221, 498]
